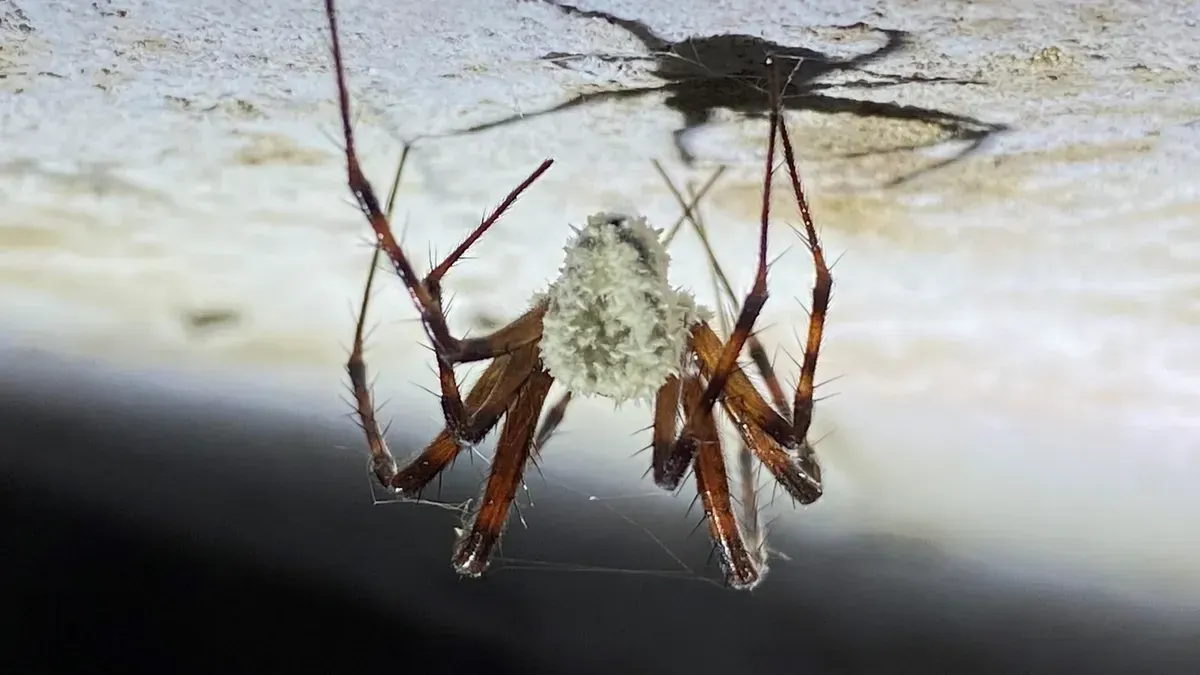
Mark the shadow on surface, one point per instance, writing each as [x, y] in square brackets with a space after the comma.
[151, 531]
[702, 74]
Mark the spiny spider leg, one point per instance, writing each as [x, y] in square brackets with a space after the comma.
[473, 549]
[382, 462]
[554, 418]
[757, 353]
[485, 402]
[742, 571]
[802, 412]
[727, 362]
[426, 297]
[667, 467]
[800, 478]
[752, 531]
[775, 439]
[759, 425]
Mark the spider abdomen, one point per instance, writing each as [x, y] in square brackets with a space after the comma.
[614, 326]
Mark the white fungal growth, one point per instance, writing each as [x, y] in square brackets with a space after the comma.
[614, 326]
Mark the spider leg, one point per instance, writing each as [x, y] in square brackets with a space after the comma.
[803, 406]
[752, 531]
[799, 476]
[426, 297]
[757, 353]
[960, 127]
[727, 361]
[554, 418]
[743, 570]
[765, 431]
[667, 466]
[472, 552]
[769, 435]
[485, 403]
[382, 462]
[799, 473]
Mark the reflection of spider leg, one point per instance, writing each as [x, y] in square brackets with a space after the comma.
[582, 99]
[695, 114]
[560, 58]
[896, 40]
[959, 127]
[916, 78]
[886, 81]
[637, 29]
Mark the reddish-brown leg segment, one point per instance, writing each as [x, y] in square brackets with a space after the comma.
[741, 569]
[822, 288]
[472, 551]
[667, 466]
[426, 293]
[757, 353]
[485, 404]
[761, 427]
[727, 363]
[776, 435]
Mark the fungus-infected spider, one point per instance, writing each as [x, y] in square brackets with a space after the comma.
[610, 325]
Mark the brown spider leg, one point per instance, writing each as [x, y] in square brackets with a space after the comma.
[802, 413]
[763, 430]
[742, 570]
[554, 418]
[752, 531]
[485, 404]
[382, 462]
[667, 466]
[472, 551]
[757, 353]
[448, 349]
[800, 479]
[727, 362]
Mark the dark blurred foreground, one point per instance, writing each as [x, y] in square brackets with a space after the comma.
[146, 532]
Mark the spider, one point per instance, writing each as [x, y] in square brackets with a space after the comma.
[611, 326]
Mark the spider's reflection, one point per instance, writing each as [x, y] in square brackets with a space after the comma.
[702, 74]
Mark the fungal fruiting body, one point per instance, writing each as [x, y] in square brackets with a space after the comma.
[614, 326]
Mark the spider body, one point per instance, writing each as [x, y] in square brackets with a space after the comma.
[610, 325]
